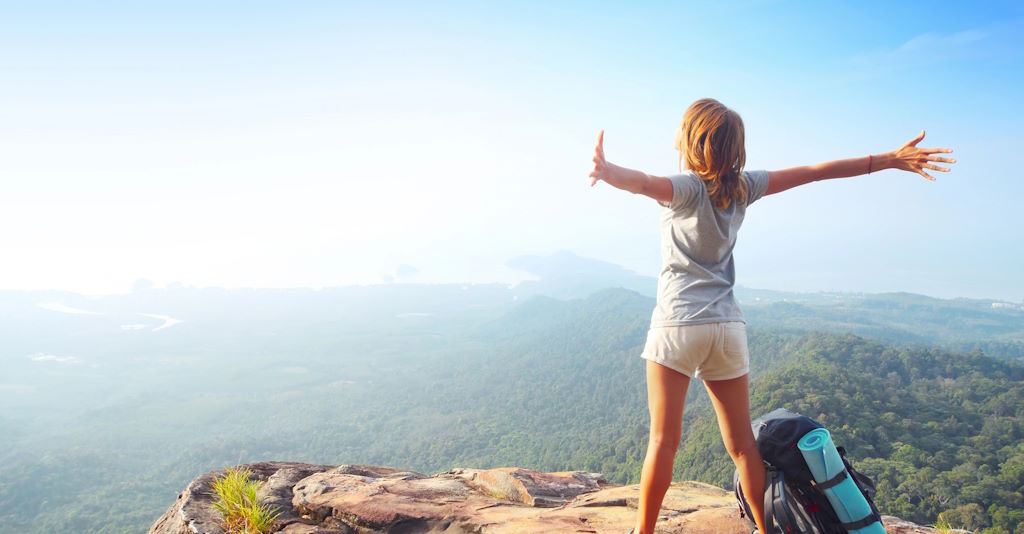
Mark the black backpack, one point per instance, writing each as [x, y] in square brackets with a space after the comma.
[793, 502]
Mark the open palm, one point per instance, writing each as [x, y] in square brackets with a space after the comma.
[912, 159]
[601, 167]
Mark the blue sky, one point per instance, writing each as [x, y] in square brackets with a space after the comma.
[285, 144]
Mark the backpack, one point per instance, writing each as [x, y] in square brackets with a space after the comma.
[793, 502]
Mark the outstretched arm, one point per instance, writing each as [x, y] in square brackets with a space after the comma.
[907, 158]
[657, 187]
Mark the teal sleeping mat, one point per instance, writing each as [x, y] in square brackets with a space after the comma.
[825, 463]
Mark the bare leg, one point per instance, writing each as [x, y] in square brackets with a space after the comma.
[666, 394]
[731, 399]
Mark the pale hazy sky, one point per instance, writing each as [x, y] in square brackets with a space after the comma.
[281, 144]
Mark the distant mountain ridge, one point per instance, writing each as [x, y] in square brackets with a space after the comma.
[565, 275]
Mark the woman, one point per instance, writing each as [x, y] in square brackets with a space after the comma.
[697, 329]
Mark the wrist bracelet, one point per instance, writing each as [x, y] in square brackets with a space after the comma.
[869, 163]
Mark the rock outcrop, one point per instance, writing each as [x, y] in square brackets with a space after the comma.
[363, 499]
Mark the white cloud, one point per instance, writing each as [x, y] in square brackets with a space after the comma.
[44, 357]
[933, 42]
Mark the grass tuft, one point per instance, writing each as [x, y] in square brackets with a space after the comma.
[239, 505]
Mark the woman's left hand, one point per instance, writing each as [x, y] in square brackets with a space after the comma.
[910, 158]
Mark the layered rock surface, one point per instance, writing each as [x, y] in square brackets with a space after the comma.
[363, 499]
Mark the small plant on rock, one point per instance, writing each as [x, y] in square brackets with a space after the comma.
[239, 505]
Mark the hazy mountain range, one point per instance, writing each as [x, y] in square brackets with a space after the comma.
[109, 405]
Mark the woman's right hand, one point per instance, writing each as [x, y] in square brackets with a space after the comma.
[912, 159]
[601, 167]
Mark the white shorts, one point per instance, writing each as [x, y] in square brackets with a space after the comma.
[711, 351]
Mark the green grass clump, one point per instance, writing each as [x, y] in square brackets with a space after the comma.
[238, 504]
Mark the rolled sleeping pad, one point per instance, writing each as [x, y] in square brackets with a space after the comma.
[826, 465]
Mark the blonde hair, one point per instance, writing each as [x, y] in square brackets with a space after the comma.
[711, 139]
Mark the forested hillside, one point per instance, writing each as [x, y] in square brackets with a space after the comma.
[107, 415]
[939, 431]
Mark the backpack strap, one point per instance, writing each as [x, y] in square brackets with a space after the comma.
[855, 525]
[832, 482]
[866, 485]
[769, 499]
[778, 517]
[787, 522]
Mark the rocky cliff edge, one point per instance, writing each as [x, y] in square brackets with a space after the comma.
[363, 499]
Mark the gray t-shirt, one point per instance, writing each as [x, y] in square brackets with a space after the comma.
[697, 271]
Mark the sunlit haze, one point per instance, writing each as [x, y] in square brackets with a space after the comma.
[313, 144]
